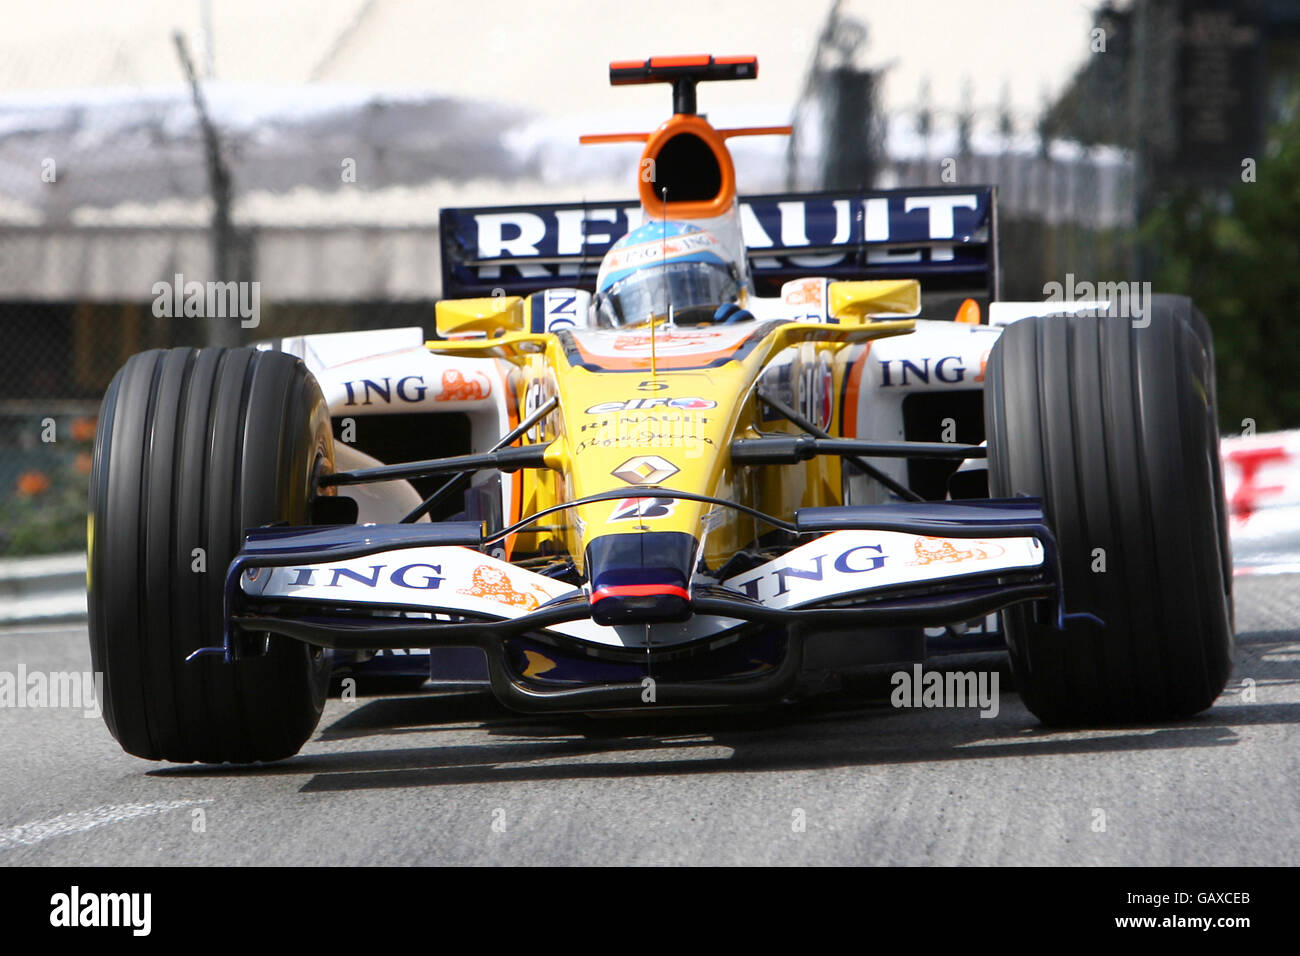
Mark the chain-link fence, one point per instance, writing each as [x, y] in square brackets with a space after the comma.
[58, 360]
[110, 244]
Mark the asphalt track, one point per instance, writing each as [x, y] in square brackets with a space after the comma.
[429, 779]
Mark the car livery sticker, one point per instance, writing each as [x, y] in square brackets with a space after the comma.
[846, 562]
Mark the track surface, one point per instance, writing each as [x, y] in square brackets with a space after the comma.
[425, 779]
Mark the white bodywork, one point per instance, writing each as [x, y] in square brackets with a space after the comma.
[390, 371]
[454, 579]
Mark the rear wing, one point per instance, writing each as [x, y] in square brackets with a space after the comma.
[945, 237]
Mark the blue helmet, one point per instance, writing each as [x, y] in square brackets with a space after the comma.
[662, 266]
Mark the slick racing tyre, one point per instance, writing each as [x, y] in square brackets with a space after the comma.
[193, 447]
[1113, 426]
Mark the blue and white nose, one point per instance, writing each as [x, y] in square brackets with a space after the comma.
[641, 578]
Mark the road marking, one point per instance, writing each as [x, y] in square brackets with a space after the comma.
[29, 834]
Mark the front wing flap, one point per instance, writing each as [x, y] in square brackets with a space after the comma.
[396, 586]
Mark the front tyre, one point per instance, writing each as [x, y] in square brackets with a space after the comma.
[194, 447]
[1113, 426]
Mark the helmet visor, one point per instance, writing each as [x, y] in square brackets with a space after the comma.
[688, 287]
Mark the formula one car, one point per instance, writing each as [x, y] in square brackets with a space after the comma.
[687, 452]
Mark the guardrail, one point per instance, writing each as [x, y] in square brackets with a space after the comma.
[43, 590]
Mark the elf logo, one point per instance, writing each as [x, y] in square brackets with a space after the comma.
[635, 404]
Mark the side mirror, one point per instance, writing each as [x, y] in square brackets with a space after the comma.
[864, 300]
[488, 317]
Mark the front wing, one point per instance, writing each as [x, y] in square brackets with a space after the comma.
[861, 570]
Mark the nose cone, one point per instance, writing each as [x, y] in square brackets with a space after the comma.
[641, 578]
[647, 416]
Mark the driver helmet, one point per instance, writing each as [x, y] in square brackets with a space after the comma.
[665, 264]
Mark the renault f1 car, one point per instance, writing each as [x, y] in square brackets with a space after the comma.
[690, 451]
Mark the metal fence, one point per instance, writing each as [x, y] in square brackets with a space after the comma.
[58, 360]
[106, 194]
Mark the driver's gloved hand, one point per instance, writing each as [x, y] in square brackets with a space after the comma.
[729, 312]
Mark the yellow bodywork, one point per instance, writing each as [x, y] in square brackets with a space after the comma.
[490, 316]
[620, 430]
[860, 300]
